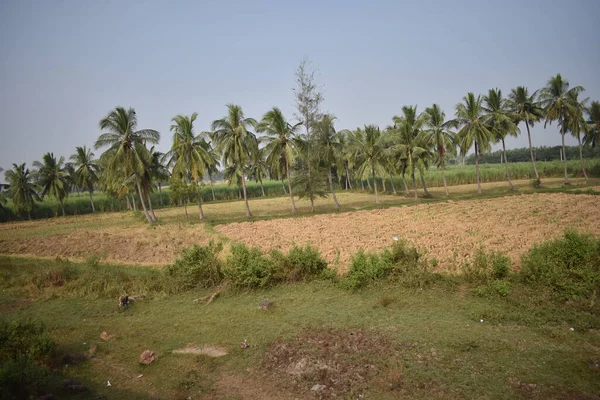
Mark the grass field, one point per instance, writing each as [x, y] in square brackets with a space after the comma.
[451, 337]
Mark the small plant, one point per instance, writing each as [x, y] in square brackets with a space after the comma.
[299, 264]
[198, 266]
[487, 266]
[249, 268]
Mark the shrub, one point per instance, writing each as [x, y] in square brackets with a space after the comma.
[496, 287]
[249, 268]
[299, 264]
[23, 346]
[570, 265]
[198, 266]
[487, 267]
[402, 263]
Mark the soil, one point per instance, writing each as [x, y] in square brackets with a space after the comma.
[211, 351]
[450, 232]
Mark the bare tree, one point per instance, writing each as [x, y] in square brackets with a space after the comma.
[308, 95]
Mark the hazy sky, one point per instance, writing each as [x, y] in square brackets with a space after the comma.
[65, 64]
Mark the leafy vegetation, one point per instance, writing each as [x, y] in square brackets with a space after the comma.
[198, 266]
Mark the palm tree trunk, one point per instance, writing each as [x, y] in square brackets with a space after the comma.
[212, 189]
[337, 205]
[369, 185]
[151, 208]
[312, 203]
[128, 202]
[477, 168]
[248, 213]
[62, 207]
[362, 185]
[562, 132]
[414, 181]
[425, 191]
[187, 217]
[92, 202]
[134, 203]
[581, 159]
[375, 186]
[160, 199]
[406, 191]
[506, 164]
[444, 180]
[537, 177]
[392, 182]
[139, 187]
[283, 185]
[200, 211]
[28, 215]
[262, 188]
[287, 172]
[349, 183]
[383, 184]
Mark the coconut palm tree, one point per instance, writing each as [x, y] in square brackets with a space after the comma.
[440, 136]
[557, 99]
[21, 189]
[469, 115]
[525, 108]
[592, 136]
[500, 122]
[86, 170]
[371, 155]
[236, 142]
[188, 154]
[280, 143]
[576, 124]
[411, 144]
[53, 178]
[327, 142]
[159, 173]
[127, 150]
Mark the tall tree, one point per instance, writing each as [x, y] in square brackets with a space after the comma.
[577, 125]
[127, 150]
[188, 153]
[21, 189]
[592, 136]
[52, 177]
[308, 180]
[474, 132]
[236, 142]
[327, 142]
[526, 109]
[280, 144]
[86, 171]
[411, 141]
[159, 173]
[439, 134]
[370, 153]
[557, 99]
[308, 95]
[258, 167]
[500, 122]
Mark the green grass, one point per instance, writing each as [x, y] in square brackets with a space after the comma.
[435, 346]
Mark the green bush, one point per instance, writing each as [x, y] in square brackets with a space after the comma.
[496, 287]
[249, 268]
[198, 266]
[570, 265]
[299, 264]
[486, 267]
[24, 346]
[402, 263]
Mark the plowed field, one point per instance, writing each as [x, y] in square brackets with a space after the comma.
[450, 232]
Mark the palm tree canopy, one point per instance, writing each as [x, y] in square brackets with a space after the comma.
[498, 117]
[52, 176]
[370, 150]
[525, 106]
[326, 138]
[126, 145]
[189, 153]
[21, 188]
[439, 133]
[234, 139]
[469, 115]
[557, 99]
[86, 168]
[592, 136]
[279, 138]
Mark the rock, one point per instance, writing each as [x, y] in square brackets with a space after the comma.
[124, 301]
[73, 385]
[318, 388]
[92, 350]
[104, 336]
[265, 305]
[147, 357]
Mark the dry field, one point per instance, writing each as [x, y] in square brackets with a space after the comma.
[448, 231]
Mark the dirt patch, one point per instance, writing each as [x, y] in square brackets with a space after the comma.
[332, 363]
[211, 351]
[450, 232]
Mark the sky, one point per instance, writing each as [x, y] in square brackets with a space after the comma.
[65, 64]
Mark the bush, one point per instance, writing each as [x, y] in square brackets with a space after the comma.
[402, 263]
[198, 266]
[299, 264]
[496, 287]
[570, 265]
[249, 268]
[487, 267]
[23, 348]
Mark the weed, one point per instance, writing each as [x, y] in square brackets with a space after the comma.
[299, 264]
[198, 266]
[249, 268]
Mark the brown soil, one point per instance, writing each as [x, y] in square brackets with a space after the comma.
[211, 351]
[451, 232]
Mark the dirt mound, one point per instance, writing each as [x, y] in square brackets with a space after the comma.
[211, 351]
[345, 362]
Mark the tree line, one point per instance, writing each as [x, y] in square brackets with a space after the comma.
[307, 156]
